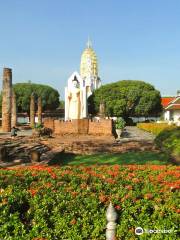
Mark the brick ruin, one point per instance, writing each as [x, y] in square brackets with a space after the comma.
[32, 110]
[80, 126]
[9, 106]
[6, 99]
[39, 110]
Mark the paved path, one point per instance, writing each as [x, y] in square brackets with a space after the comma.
[136, 134]
[19, 134]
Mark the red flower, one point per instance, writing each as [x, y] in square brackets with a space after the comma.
[74, 194]
[33, 192]
[110, 180]
[117, 207]
[129, 187]
[73, 221]
[102, 198]
[148, 196]
[177, 210]
[135, 180]
[48, 185]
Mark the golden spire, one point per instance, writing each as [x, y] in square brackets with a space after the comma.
[89, 43]
[89, 64]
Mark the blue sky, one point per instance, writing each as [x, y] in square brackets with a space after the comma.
[42, 40]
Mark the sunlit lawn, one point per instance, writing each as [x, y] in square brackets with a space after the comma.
[111, 159]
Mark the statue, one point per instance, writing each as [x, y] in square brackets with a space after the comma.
[74, 99]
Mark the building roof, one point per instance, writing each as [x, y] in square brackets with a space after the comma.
[173, 107]
[166, 100]
[173, 104]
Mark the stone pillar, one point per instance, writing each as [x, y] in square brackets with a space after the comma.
[39, 110]
[102, 110]
[111, 217]
[14, 110]
[6, 99]
[32, 111]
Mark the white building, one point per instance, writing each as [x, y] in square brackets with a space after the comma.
[171, 109]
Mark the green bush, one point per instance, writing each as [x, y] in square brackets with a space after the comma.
[120, 123]
[50, 203]
[168, 140]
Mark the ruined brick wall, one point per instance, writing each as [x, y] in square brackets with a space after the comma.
[103, 127]
[6, 99]
[49, 123]
[61, 127]
[79, 126]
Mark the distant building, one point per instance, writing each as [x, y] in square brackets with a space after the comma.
[171, 106]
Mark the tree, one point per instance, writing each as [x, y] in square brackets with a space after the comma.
[62, 104]
[23, 91]
[126, 98]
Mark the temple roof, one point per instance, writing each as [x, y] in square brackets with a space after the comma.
[171, 103]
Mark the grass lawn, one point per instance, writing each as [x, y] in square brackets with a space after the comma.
[111, 159]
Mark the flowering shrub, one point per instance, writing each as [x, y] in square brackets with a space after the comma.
[154, 128]
[70, 202]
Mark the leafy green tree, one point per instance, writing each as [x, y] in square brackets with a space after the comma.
[62, 104]
[126, 98]
[0, 104]
[50, 96]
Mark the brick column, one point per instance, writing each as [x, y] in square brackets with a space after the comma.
[39, 110]
[14, 110]
[32, 111]
[6, 99]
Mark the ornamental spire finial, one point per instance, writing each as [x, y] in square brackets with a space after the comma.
[89, 43]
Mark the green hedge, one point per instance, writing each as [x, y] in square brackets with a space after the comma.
[169, 141]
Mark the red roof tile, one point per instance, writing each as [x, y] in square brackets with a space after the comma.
[166, 100]
[174, 107]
